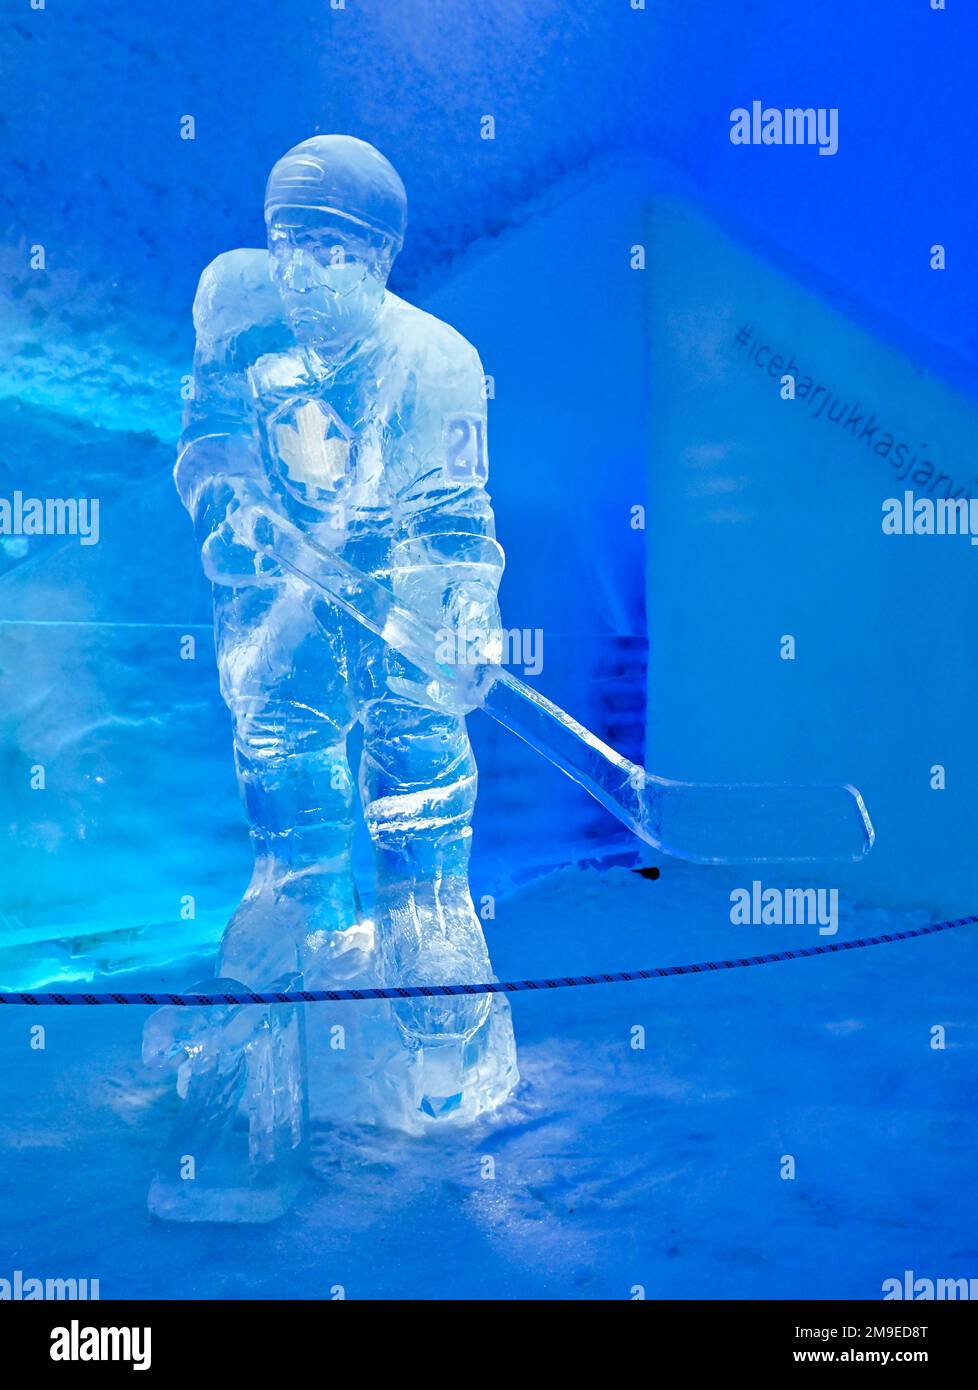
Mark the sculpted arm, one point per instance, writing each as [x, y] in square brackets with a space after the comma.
[446, 561]
[219, 464]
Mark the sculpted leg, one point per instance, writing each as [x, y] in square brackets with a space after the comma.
[283, 679]
[239, 1146]
[418, 784]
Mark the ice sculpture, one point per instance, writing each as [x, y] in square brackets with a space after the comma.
[325, 400]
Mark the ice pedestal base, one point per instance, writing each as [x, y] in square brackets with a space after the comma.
[468, 1078]
[363, 1072]
[238, 1149]
[256, 1081]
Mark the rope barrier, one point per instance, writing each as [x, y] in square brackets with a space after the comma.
[395, 992]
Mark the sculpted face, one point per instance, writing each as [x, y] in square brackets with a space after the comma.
[330, 272]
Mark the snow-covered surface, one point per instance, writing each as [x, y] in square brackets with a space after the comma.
[614, 1166]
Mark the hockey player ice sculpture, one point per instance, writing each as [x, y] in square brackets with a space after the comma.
[361, 419]
[334, 462]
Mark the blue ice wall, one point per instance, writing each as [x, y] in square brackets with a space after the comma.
[94, 167]
[791, 638]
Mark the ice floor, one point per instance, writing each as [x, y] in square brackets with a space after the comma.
[615, 1167]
